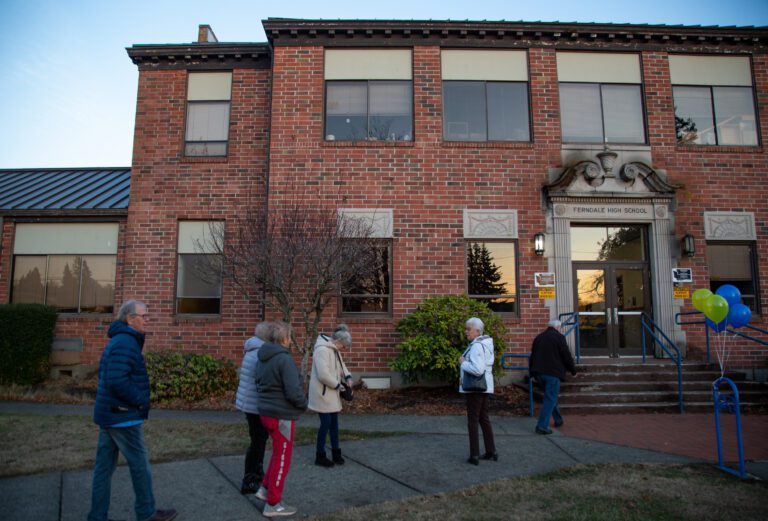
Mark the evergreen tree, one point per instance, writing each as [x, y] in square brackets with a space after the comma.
[484, 274]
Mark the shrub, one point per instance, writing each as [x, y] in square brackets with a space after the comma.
[26, 335]
[434, 339]
[188, 376]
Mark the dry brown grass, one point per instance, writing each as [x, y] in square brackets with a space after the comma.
[589, 493]
[31, 444]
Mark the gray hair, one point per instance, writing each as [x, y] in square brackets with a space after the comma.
[342, 334]
[129, 308]
[554, 323]
[264, 330]
[279, 331]
[476, 323]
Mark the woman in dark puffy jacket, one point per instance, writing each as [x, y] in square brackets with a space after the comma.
[281, 402]
[247, 400]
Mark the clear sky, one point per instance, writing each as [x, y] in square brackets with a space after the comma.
[68, 89]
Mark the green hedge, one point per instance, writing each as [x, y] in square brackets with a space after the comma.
[188, 376]
[434, 337]
[26, 335]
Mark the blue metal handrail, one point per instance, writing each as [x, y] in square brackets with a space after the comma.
[647, 324]
[520, 368]
[572, 320]
[728, 403]
[702, 321]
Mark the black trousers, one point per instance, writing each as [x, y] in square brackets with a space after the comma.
[477, 414]
[254, 455]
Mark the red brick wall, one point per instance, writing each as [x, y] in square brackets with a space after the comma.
[714, 179]
[166, 188]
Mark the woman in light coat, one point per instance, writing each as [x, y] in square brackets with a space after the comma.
[329, 376]
[478, 359]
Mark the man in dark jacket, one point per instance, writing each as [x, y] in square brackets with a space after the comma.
[281, 402]
[550, 358]
[122, 405]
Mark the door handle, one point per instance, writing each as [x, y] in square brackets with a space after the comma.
[616, 316]
[608, 317]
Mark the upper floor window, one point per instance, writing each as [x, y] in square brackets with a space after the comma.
[714, 100]
[485, 95]
[70, 266]
[600, 98]
[198, 280]
[208, 103]
[368, 95]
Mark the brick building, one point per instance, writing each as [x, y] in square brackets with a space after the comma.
[605, 154]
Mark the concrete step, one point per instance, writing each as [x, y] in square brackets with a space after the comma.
[650, 385]
[650, 407]
[651, 396]
[666, 374]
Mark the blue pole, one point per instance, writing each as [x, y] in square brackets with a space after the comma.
[716, 398]
[642, 328]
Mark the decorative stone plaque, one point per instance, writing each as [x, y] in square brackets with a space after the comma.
[490, 224]
[378, 221]
[729, 226]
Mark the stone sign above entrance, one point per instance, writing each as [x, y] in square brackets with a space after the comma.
[619, 212]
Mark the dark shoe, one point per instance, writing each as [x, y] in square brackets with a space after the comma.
[559, 424]
[164, 515]
[539, 430]
[322, 460]
[473, 460]
[488, 455]
[337, 459]
[249, 486]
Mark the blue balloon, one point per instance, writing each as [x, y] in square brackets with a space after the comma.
[730, 293]
[739, 315]
[717, 327]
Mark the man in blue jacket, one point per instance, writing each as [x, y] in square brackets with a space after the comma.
[122, 405]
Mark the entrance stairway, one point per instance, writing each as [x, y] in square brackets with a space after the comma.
[627, 386]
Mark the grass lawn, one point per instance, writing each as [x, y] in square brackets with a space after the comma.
[30, 444]
[588, 493]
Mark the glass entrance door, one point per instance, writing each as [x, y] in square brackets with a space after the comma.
[611, 288]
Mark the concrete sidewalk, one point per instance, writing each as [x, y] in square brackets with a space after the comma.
[429, 459]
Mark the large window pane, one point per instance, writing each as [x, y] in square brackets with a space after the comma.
[694, 122]
[581, 113]
[390, 110]
[29, 279]
[464, 111]
[369, 292]
[492, 274]
[63, 282]
[623, 114]
[733, 264]
[207, 121]
[198, 284]
[346, 111]
[608, 243]
[97, 289]
[508, 111]
[735, 113]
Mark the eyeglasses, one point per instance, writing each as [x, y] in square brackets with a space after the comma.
[145, 315]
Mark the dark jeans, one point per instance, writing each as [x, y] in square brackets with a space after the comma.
[254, 455]
[550, 385]
[130, 442]
[477, 413]
[329, 421]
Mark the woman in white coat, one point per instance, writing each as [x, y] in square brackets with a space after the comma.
[478, 360]
[328, 379]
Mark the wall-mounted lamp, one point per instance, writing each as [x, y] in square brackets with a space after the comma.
[689, 245]
[538, 243]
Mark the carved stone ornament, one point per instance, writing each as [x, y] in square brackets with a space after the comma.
[595, 176]
[607, 160]
[729, 226]
[369, 222]
[490, 224]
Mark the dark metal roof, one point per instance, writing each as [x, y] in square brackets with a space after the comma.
[60, 190]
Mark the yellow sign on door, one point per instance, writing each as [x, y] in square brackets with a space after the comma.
[545, 293]
[682, 292]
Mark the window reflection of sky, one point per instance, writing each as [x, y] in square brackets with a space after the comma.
[603, 243]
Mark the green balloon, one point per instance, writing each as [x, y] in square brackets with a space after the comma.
[716, 308]
[700, 297]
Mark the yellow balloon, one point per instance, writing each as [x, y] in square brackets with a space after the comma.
[716, 308]
[700, 297]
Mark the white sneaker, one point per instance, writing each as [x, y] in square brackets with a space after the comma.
[278, 510]
[261, 493]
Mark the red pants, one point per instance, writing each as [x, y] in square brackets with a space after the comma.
[281, 432]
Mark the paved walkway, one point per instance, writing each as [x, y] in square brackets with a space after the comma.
[427, 460]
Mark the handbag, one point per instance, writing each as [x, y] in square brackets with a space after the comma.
[345, 391]
[472, 383]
